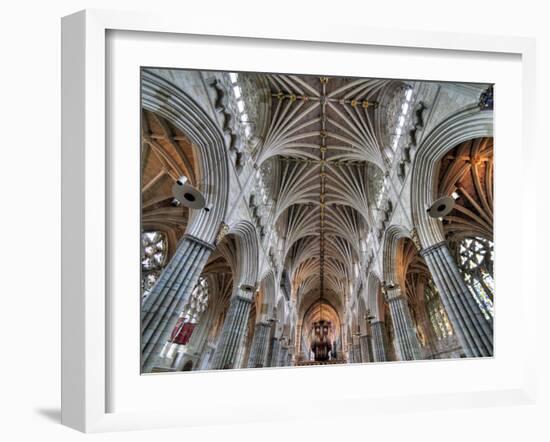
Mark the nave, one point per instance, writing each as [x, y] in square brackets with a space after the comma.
[294, 220]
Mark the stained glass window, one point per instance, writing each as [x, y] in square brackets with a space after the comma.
[475, 260]
[153, 259]
[436, 312]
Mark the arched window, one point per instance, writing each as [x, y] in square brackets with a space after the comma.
[398, 111]
[436, 312]
[244, 103]
[153, 259]
[198, 301]
[197, 304]
[475, 260]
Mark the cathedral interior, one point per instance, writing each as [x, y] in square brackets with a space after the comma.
[294, 220]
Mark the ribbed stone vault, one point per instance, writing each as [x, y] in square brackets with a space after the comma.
[317, 189]
[329, 155]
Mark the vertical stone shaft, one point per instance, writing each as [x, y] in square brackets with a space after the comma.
[271, 343]
[283, 356]
[379, 341]
[474, 331]
[408, 347]
[351, 356]
[366, 351]
[260, 342]
[357, 353]
[275, 352]
[160, 311]
[233, 333]
[291, 356]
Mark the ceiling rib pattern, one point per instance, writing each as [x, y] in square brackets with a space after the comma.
[322, 136]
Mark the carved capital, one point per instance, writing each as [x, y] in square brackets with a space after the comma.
[223, 231]
[199, 241]
[432, 248]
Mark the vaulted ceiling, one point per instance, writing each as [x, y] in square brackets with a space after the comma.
[325, 146]
[467, 170]
[166, 155]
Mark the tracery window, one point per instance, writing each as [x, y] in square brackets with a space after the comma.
[197, 304]
[153, 259]
[198, 301]
[475, 260]
[436, 312]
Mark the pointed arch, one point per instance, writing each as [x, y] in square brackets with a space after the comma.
[465, 125]
[162, 97]
[374, 296]
[392, 236]
[248, 253]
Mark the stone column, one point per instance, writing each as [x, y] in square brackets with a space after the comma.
[356, 348]
[379, 341]
[283, 356]
[271, 342]
[342, 351]
[474, 332]
[351, 356]
[366, 351]
[291, 356]
[357, 353]
[408, 347]
[233, 332]
[260, 342]
[206, 356]
[275, 352]
[339, 349]
[160, 311]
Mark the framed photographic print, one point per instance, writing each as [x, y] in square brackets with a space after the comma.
[253, 215]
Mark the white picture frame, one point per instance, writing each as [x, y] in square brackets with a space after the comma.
[86, 215]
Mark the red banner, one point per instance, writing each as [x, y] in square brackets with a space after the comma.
[182, 332]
